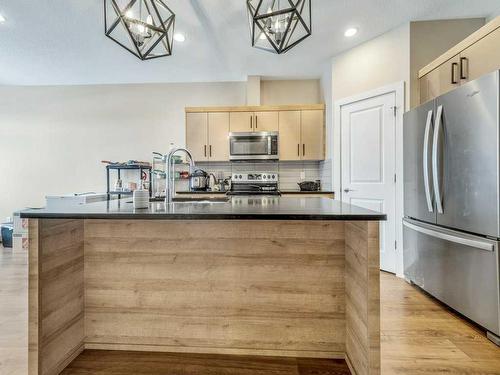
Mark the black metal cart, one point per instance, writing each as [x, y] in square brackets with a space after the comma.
[119, 168]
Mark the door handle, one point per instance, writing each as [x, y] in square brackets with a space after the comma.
[425, 158]
[205, 152]
[435, 149]
[348, 190]
[303, 149]
[256, 122]
[210, 152]
[298, 149]
[483, 245]
[454, 67]
[251, 122]
[462, 68]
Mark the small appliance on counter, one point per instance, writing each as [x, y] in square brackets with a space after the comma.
[310, 185]
[265, 183]
[200, 180]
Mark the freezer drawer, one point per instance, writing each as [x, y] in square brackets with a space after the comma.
[458, 269]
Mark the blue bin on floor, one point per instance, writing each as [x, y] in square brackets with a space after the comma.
[7, 231]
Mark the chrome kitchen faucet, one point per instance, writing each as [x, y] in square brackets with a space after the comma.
[169, 168]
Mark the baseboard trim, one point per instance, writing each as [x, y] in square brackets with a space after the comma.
[203, 350]
[56, 370]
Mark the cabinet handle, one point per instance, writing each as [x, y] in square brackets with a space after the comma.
[462, 67]
[303, 149]
[298, 149]
[210, 150]
[251, 122]
[256, 122]
[205, 150]
[453, 69]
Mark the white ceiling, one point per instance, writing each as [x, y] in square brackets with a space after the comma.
[48, 42]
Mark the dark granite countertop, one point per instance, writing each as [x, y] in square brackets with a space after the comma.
[237, 208]
[306, 192]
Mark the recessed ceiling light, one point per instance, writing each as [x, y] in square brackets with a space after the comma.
[2, 18]
[179, 37]
[351, 32]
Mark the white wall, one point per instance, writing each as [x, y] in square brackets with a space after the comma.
[52, 139]
[376, 63]
[277, 92]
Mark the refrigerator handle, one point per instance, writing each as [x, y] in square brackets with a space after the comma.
[477, 244]
[435, 150]
[426, 161]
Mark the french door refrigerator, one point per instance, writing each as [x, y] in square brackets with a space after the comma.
[452, 202]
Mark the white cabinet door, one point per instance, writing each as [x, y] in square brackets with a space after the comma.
[369, 165]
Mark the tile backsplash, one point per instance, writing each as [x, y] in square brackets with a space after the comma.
[290, 173]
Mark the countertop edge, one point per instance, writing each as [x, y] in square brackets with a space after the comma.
[148, 216]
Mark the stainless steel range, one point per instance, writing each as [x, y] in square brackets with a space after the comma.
[263, 183]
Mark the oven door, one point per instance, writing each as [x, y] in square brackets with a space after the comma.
[253, 146]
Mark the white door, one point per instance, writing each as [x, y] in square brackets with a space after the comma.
[368, 148]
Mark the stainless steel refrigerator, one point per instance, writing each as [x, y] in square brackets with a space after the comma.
[452, 200]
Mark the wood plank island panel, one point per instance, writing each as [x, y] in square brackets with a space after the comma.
[234, 287]
[303, 289]
[56, 294]
[362, 297]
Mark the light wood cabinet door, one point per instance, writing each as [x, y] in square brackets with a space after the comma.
[197, 135]
[289, 135]
[241, 121]
[441, 80]
[266, 122]
[482, 57]
[218, 136]
[313, 135]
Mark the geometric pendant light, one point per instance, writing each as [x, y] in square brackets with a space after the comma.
[279, 25]
[143, 27]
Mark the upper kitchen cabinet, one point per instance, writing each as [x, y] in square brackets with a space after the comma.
[481, 57]
[289, 135]
[301, 129]
[440, 80]
[302, 135]
[207, 136]
[218, 133]
[313, 135]
[241, 121]
[254, 121]
[266, 121]
[197, 135]
[476, 55]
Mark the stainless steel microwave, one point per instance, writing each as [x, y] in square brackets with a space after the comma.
[253, 146]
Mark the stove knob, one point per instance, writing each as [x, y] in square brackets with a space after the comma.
[240, 176]
[274, 176]
[269, 176]
[264, 176]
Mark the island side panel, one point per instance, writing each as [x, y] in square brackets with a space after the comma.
[235, 287]
[56, 313]
[363, 297]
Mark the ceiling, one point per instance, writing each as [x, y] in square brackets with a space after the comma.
[53, 42]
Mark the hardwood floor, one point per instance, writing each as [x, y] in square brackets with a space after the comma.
[100, 362]
[419, 337]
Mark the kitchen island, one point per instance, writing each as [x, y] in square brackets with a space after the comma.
[267, 276]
